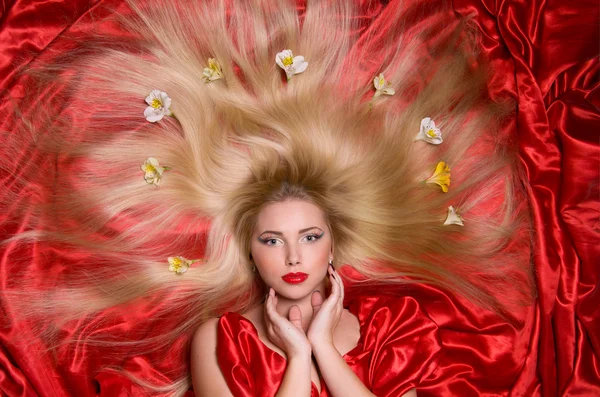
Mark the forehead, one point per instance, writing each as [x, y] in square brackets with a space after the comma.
[290, 215]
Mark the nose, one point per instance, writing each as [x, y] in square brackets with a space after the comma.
[293, 256]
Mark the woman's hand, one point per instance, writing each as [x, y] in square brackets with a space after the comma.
[326, 314]
[287, 334]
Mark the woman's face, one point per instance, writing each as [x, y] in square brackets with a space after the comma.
[291, 247]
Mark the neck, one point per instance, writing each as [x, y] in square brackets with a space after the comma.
[284, 305]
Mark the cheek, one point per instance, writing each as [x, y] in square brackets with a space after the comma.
[265, 258]
[318, 255]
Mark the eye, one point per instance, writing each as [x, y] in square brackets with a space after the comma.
[311, 238]
[270, 241]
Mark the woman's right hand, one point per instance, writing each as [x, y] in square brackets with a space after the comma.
[286, 333]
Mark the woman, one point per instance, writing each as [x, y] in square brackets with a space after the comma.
[293, 254]
[260, 117]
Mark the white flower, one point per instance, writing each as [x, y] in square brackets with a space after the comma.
[291, 64]
[153, 171]
[179, 264]
[382, 86]
[213, 71]
[429, 132]
[453, 218]
[159, 106]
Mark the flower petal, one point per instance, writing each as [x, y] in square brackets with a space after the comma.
[166, 101]
[179, 264]
[152, 171]
[453, 218]
[279, 62]
[153, 115]
[441, 176]
[153, 95]
[301, 66]
[183, 269]
[281, 56]
[429, 133]
[378, 82]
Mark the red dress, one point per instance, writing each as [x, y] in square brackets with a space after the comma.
[397, 348]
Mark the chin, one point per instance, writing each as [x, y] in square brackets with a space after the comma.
[293, 292]
[296, 291]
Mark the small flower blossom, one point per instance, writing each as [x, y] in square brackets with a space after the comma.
[213, 71]
[159, 104]
[441, 176]
[453, 218]
[153, 171]
[429, 132]
[290, 64]
[382, 86]
[179, 264]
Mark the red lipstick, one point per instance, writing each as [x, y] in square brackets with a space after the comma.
[295, 278]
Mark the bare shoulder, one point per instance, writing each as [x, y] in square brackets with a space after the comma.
[206, 374]
[410, 393]
[206, 333]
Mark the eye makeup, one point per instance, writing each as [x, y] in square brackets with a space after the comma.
[267, 239]
[315, 236]
[271, 236]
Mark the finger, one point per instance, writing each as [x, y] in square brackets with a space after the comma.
[333, 298]
[316, 300]
[295, 316]
[265, 310]
[270, 312]
[341, 284]
[335, 287]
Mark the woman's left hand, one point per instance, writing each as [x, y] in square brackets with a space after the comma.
[326, 314]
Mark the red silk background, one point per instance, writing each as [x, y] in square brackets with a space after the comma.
[545, 55]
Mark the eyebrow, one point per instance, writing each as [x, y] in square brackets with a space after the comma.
[299, 231]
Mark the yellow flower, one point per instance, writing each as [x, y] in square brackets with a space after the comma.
[441, 176]
[213, 71]
[153, 171]
[382, 86]
[179, 264]
[453, 218]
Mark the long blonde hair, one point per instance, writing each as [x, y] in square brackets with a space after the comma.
[252, 138]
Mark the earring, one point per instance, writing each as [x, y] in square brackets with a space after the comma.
[253, 269]
[331, 262]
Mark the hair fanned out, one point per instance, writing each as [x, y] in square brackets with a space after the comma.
[251, 138]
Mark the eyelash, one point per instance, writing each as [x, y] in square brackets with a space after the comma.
[266, 240]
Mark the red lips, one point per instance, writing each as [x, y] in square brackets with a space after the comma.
[295, 278]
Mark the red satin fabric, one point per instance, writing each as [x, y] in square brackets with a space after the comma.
[544, 54]
[397, 348]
